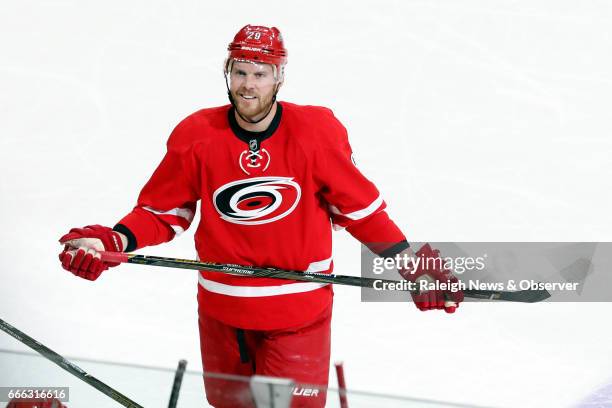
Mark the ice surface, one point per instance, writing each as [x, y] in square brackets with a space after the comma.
[601, 398]
[478, 120]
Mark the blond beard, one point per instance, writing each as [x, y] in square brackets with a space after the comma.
[255, 112]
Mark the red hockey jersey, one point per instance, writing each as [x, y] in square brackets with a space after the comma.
[267, 199]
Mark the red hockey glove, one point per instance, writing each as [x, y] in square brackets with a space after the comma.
[80, 255]
[430, 269]
[25, 403]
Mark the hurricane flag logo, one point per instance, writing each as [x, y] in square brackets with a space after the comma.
[257, 200]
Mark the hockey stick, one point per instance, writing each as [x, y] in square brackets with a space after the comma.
[67, 365]
[527, 296]
[176, 386]
[341, 384]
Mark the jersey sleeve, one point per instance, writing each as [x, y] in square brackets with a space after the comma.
[167, 203]
[354, 201]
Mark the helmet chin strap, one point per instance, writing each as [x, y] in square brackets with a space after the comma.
[231, 99]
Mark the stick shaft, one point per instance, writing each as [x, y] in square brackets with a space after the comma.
[67, 365]
[176, 386]
[252, 271]
[341, 384]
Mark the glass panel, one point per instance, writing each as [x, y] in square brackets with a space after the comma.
[151, 387]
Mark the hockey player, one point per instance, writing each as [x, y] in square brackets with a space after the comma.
[273, 179]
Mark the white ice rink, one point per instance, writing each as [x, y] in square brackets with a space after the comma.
[478, 120]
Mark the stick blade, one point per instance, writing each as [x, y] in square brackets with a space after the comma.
[523, 296]
[527, 296]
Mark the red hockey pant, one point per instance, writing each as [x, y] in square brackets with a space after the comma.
[299, 353]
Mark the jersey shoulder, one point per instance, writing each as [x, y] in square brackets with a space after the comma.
[198, 127]
[319, 122]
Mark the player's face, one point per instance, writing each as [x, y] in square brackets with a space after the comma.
[252, 86]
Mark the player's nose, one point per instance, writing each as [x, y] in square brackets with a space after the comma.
[249, 82]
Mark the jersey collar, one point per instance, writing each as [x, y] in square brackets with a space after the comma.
[246, 135]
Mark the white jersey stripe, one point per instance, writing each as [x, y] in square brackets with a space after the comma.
[185, 213]
[319, 266]
[359, 214]
[258, 291]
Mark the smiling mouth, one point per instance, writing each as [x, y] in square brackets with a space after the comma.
[248, 97]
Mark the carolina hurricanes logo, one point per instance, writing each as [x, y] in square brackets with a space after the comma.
[257, 200]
